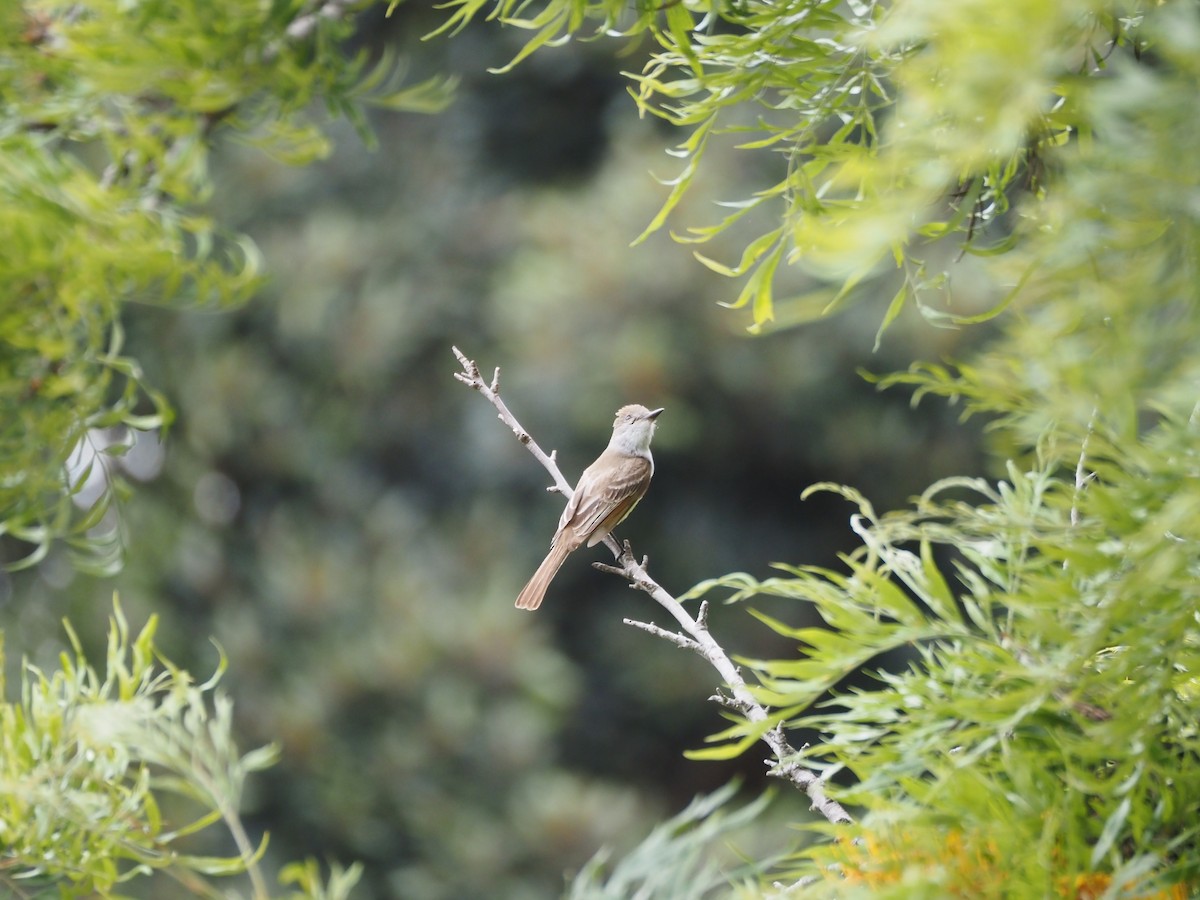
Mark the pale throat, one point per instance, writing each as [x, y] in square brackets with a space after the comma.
[634, 441]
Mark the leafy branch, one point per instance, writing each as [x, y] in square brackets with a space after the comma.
[101, 770]
[104, 165]
[677, 858]
[1043, 698]
[879, 136]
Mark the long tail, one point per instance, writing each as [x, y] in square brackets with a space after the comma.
[531, 595]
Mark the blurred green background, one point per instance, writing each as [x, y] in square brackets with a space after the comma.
[351, 524]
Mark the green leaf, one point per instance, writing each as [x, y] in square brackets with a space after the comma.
[1113, 827]
[893, 311]
[694, 148]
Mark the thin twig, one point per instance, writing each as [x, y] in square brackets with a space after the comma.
[674, 637]
[1082, 476]
[695, 634]
[470, 376]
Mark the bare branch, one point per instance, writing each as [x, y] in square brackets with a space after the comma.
[813, 785]
[728, 702]
[470, 376]
[674, 637]
[695, 633]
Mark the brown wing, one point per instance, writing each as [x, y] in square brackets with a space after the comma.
[607, 492]
[569, 512]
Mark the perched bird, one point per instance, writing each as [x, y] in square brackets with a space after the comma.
[607, 492]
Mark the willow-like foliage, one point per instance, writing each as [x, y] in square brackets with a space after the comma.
[108, 117]
[110, 774]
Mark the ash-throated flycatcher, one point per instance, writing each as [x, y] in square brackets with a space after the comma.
[607, 492]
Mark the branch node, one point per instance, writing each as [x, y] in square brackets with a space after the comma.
[469, 368]
[722, 699]
[702, 616]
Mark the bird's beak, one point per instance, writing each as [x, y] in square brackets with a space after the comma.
[653, 414]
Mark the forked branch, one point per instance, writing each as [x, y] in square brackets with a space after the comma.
[695, 634]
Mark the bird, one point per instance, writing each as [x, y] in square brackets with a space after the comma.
[607, 492]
